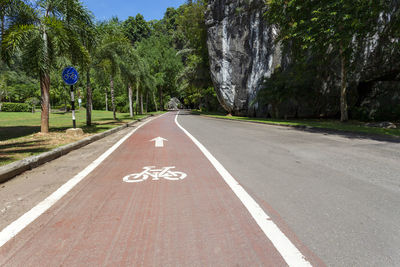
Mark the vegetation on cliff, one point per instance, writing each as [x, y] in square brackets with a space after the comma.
[337, 40]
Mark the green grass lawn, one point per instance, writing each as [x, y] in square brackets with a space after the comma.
[20, 137]
[18, 124]
[351, 126]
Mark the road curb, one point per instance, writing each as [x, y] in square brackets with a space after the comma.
[11, 170]
[380, 137]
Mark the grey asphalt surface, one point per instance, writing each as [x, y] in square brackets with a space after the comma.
[338, 193]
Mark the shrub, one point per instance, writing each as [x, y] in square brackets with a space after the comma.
[62, 107]
[15, 107]
[123, 109]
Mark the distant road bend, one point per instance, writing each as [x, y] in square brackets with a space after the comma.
[185, 190]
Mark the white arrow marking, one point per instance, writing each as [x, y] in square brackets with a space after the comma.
[159, 141]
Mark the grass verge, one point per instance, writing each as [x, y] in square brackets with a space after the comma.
[350, 126]
[20, 137]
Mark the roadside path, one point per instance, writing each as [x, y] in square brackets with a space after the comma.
[183, 214]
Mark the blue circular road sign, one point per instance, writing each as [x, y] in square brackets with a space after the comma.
[70, 75]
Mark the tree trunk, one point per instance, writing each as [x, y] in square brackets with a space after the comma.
[141, 103]
[344, 116]
[147, 101]
[137, 97]
[276, 110]
[88, 100]
[65, 99]
[155, 101]
[45, 86]
[106, 100]
[130, 100]
[45, 92]
[161, 99]
[113, 98]
[2, 27]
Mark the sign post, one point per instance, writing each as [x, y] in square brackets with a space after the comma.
[73, 107]
[70, 77]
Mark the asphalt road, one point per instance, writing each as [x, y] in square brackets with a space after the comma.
[337, 194]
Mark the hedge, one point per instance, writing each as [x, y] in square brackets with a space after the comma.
[15, 107]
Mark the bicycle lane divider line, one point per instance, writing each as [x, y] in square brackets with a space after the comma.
[286, 248]
[18, 225]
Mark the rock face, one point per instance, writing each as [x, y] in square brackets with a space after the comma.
[242, 52]
[173, 104]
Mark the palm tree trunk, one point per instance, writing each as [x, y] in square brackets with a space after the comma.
[141, 103]
[344, 116]
[130, 100]
[106, 100]
[45, 92]
[65, 99]
[137, 97]
[161, 99]
[2, 26]
[154, 100]
[45, 88]
[88, 100]
[147, 101]
[112, 98]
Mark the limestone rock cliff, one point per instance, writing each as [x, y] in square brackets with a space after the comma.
[242, 52]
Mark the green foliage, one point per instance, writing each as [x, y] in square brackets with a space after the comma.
[194, 80]
[328, 27]
[164, 65]
[52, 29]
[319, 24]
[136, 28]
[15, 107]
[41, 37]
[296, 84]
[122, 104]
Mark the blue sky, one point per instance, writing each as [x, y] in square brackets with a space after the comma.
[150, 9]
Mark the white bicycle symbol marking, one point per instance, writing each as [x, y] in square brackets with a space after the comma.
[70, 76]
[156, 174]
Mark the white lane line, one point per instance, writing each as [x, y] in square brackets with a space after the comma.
[286, 248]
[18, 225]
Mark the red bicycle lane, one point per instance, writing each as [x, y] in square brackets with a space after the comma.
[195, 221]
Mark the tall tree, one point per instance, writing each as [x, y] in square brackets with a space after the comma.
[46, 36]
[110, 53]
[136, 28]
[164, 64]
[81, 23]
[194, 80]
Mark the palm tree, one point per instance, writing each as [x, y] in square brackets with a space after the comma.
[136, 71]
[49, 32]
[81, 23]
[111, 53]
[130, 73]
[11, 11]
